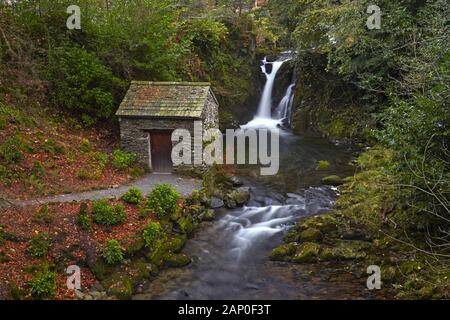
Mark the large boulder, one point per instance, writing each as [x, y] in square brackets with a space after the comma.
[216, 203]
[238, 197]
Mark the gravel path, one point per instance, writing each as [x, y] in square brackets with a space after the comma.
[185, 186]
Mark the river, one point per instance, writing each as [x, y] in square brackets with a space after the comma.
[230, 255]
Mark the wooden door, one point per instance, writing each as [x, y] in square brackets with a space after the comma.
[161, 151]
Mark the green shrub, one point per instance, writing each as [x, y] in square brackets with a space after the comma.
[52, 147]
[15, 115]
[38, 169]
[2, 234]
[163, 200]
[12, 149]
[43, 284]
[89, 173]
[106, 214]
[102, 159]
[81, 83]
[43, 215]
[113, 252]
[39, 245]
[151, 233]
[123, 160]
[85, 146]
[83, 218]
[133, 196]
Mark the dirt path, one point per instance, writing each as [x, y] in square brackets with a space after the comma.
[184, 186]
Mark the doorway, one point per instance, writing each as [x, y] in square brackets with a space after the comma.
[161, 151]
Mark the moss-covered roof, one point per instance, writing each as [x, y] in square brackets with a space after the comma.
[164, 99]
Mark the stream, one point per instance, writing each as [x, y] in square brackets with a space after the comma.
[230, 255]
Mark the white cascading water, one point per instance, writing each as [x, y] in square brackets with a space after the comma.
[284, 109]
[263, 117]
[265, 105]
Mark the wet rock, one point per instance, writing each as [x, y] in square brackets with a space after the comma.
[177, 260]
[280, 253]
[333, 180]
[231, 204]
[121, 289]
[176, 244]
[311, 234]
[238, 197]
[216, 203]
[272, 202]
[236, 182]
[308, 252]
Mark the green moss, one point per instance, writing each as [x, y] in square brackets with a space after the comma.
[311, 234]
[307, 252]
[332, 180]
[323, 165]
[120, 287]
[186, 224]
[177, 260]
[282, 252]
[176, 244]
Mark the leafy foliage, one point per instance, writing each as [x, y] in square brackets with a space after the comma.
[81, 83]
[123, 160]
[12, 149]
[43, 284]
[39, 245]
[113, 253]
[106, 214]
[162, 200]
[151, 233]
[133, 196]
[83, 218]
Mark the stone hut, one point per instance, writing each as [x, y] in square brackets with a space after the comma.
[151, 111]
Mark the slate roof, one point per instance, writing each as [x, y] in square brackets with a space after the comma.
[165, 99]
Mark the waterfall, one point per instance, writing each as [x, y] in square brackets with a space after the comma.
[284, 109]
[265, 106]
[263, 118]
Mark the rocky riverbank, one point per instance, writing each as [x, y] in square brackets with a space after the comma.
[362, 231]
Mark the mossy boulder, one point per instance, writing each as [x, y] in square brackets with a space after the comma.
[124, 279]
[333, 180]
[121, 288]
[209, 215]
[325, 223]
[307, 252]
[177, 260]
[311, 234]
[237, 197]
[282, 252]
[135, 246]
[186, 224]
[176, 243]
[158, 253]
[291, 236]
[345, 250]
[100, 269]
